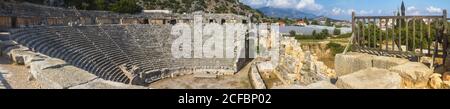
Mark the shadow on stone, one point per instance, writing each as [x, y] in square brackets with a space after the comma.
[3, 82]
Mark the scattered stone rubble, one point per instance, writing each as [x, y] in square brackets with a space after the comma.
[357, 70]
[414, 74]
[297, 68]
[316, 85]
[303, 66]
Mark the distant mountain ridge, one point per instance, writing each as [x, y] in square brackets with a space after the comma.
[322, 18]
[283, 13]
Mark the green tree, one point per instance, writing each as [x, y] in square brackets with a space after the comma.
[325, 32]
[306, 20]
[126, 6]
[292, 33]
[314, 33]
[314, 22]
[327, 22]
[337, 31]
[335, 48]
[288, 21]
[85, 6]
[100, 4]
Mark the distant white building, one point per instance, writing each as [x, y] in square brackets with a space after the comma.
[427, 21]
[301, 23]
[322, 22]
[343, 23]
[390, 24]
[158, 11]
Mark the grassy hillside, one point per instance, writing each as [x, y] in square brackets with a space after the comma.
[176, 6]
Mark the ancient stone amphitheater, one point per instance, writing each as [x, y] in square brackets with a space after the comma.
[107, 44]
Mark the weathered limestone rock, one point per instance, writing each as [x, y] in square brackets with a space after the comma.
[65, 77]
[414, 74]
[435, 81]
[446, 85]
[385, 62]
[34, 58]
[446, 76]
[105, 84]
[8, 50]
[38, 66]
[265, 67]
[351, 62]
[371, 78]
[55, 74]
[289, 87]
[321, 85]
[318, 85]
[255, 78]
[426, 59]
[7, 43]
[21, 56]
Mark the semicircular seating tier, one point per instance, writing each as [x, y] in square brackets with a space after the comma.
[102, 49]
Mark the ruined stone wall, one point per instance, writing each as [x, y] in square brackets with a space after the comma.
[130, 21]
[55, 21]
[157, 21]
[27, 21]
[87, 20]
[107, 20]
[5, 22]
[255, 78]
[301, 67]
[27, 13]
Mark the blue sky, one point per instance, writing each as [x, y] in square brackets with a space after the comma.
[342, 9]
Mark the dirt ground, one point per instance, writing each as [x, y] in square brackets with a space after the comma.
[238, 81]
[270, 79]
[15, 76]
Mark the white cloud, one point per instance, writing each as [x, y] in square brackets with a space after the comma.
[309, 5]
[339, 11]
[336, 11]
[433, 9]
[280, 3]
[349, 11]
[412, 10]
[364, 12]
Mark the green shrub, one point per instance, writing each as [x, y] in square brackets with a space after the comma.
[126, 6]
[335, 48]
[336, 31]
[346, 35]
